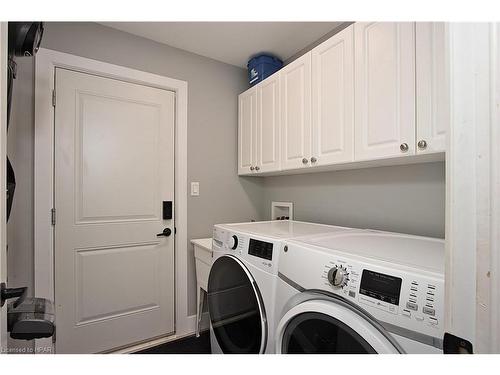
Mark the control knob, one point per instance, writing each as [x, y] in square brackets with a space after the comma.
[233, 242]
[338, 276]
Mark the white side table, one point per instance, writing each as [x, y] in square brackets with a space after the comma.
[203, 259]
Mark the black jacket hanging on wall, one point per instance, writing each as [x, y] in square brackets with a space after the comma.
[24, 40]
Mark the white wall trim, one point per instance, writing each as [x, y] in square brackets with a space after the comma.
[46, 62]
[473, 187]
[495, 189]
[3, 176]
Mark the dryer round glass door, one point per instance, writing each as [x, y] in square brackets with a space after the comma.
[236, 309]
[316, 333]
[331, 327]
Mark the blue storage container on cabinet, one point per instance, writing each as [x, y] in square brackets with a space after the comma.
[261, 67]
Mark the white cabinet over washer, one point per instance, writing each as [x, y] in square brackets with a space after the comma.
[432, 83]
[268, 125]
[247, 127]
[295, 82]
[374, 94]
[333, 100]
[385, 89]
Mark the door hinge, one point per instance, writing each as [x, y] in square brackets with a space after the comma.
[53, 98]
[53, 216]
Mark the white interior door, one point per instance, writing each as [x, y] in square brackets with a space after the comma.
[295, 80]
[114, 165]
[268, 123]
[247, 120]
[333, 99]
[3, 178]
[384, 89]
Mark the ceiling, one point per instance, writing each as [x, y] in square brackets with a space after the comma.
[231, 42]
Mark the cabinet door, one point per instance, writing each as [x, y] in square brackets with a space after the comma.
[384, 89]
[295, 82]
[268, 122]
[432, 83]
[333, 100]
[247, 125]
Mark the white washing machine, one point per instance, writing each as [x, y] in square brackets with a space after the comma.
[361, 292]
[242, 282]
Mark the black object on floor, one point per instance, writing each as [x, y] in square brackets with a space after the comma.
[187, 345]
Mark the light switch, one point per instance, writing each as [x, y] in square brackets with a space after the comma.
[195, 189]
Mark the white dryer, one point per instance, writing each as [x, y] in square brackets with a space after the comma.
[361, 292]
[242, 282]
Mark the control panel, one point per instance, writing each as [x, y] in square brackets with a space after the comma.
[421, 303]
[412, 300]
[260, 251]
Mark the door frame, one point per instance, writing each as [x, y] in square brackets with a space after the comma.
[46, 62]
[3, 161]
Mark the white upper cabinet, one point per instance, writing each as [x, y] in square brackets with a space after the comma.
[247, 127]
[374, 91]
[268, 125]
[295, 85]
[384, 90]
[432, 85]
[333, 100]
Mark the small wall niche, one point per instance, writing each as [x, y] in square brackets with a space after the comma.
[281, 211]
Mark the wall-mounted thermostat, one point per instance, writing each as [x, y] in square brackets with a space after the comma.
[282, 211]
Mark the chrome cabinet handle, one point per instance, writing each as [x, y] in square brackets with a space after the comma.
[305, 161]
[404, 147]
[313, 160]
[252, 168]
[257, 168]
[422, 144]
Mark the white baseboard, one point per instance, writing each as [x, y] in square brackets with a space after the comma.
[188, 331]
[150, 344]
[45, 346]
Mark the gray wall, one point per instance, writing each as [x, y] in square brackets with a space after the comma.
[408, 198]
[316, 43]
[212, 135]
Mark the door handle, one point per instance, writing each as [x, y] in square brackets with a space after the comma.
[166, 233]
[8, 293]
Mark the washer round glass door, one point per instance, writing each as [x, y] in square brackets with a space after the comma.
[331, 327]
[236, 309]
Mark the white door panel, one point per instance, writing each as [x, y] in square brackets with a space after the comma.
[385, 89]
[247, 126]
[432, 83]
[113, 168]
[97, 300]
[108, 129]
[333, 99]
[295, 82]
[268, 122]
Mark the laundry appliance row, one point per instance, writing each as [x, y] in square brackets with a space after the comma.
[296, 287]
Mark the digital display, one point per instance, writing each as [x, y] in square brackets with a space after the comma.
[261, 249]
[383, 287]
